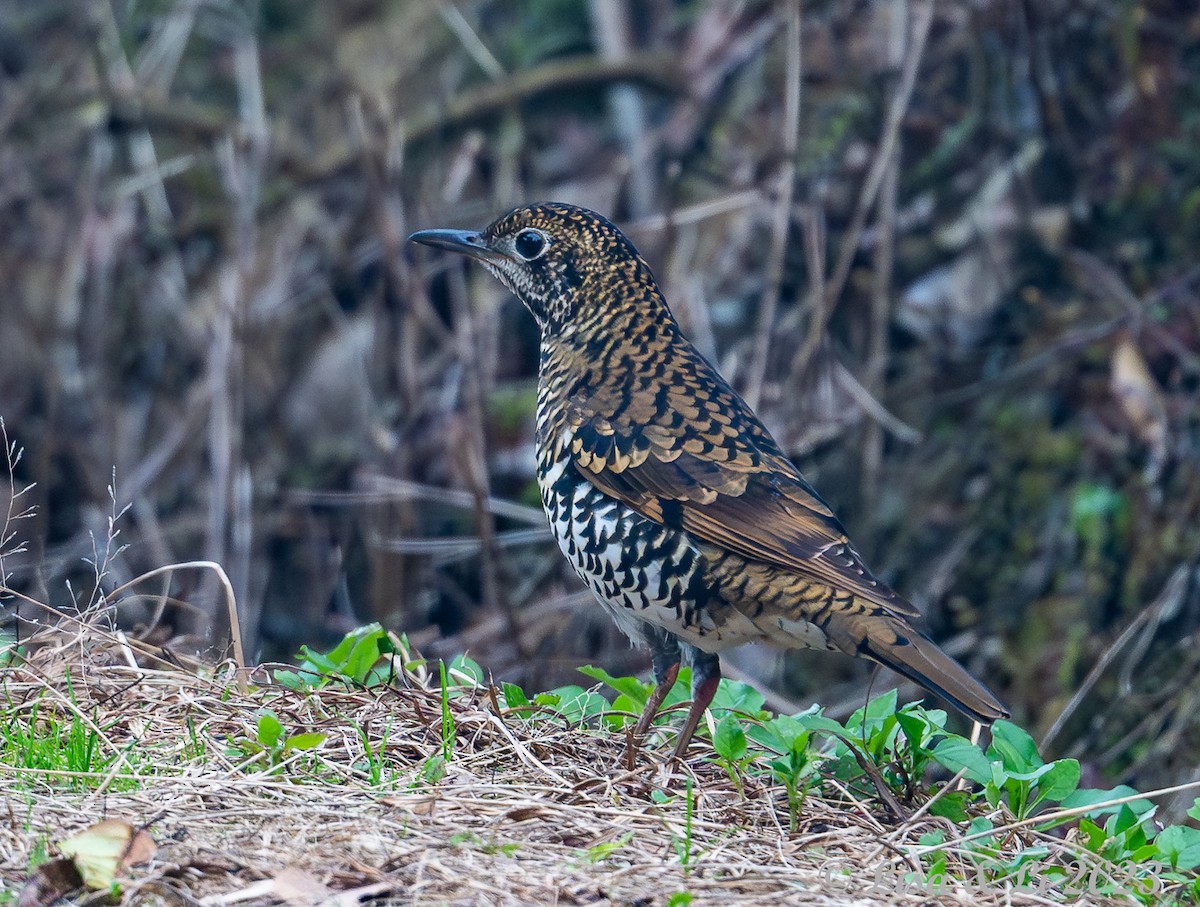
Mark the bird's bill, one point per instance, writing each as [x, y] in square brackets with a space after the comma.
[464, 242]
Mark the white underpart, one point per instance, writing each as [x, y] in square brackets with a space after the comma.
[590, 535]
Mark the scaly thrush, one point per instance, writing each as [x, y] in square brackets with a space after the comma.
[665, 491]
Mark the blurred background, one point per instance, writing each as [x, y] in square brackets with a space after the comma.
[947, 249]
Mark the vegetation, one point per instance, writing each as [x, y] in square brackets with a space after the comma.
[914, 808]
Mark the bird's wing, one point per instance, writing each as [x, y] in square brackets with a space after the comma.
[703, 462]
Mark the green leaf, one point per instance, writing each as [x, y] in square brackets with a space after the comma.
[1059, 782]
[957, 753]
[1180, 845]
[932, 838]
[1094, 837]
[1129, 826]
[637, 691]
[978, 826]
[1014, 747]
[361, 658]
[730, 740]
[340, 656]
[598, 853]
[1089, 796]
[738, 697]
[952, 805]
[1194, 812]
[873, 714]
[575, 703]
[305, 741]
[819, 724]
[297, 681]
[916, 727]
[434, 769]
[778, 734]
[269, 730]
[514, 696]
[465, 671]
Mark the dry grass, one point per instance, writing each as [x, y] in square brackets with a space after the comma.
[528, 812]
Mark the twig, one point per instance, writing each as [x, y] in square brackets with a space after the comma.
[389, 488]
[825, 304]
[756, 367]
[877, 339]
[1168, 598]
[873, 408]
[474, 462]
[469, 38]
[658, 70]
[614, 40]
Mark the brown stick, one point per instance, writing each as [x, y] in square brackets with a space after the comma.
[922, 18]
[757, 367]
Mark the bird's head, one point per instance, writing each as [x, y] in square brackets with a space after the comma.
[564, 262]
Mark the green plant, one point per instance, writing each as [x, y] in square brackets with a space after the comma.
[729, 743]
[448, 729]
[684, 846]
[432, 771]
[883, 746]
[373, 761]
[1020, 775]
[44, 739]
[794, 764]
[598, 853]
[272, 744]
[194, 748]
[365, 657]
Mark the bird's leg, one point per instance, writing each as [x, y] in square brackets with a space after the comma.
[664, 658]
[706, 677]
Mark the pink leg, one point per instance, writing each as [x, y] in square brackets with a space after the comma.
[634, 740]
[706, 677]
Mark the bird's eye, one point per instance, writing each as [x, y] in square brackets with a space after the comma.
[530, 244]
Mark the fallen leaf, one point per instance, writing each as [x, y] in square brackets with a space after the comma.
[100, 851]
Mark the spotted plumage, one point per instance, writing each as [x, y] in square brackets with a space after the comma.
[664, 490]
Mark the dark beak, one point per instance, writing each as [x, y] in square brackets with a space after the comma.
[461, 241]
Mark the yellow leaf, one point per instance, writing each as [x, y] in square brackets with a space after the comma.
[100, 851]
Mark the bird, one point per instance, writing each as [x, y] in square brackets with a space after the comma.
[664, 490]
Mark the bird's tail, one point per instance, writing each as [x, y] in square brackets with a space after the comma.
[910, 652]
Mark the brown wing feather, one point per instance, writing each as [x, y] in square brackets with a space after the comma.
[731, 488]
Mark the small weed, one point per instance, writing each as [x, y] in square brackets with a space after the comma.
[896, 745]
[598, 853]
[365, 657]
[45, 740]
[272, 743]
[794, 765]
[432, 771]
[373, 762]
[194, 748]
[684, 846]
[470, 839]
[448, 730]
[729, 743]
